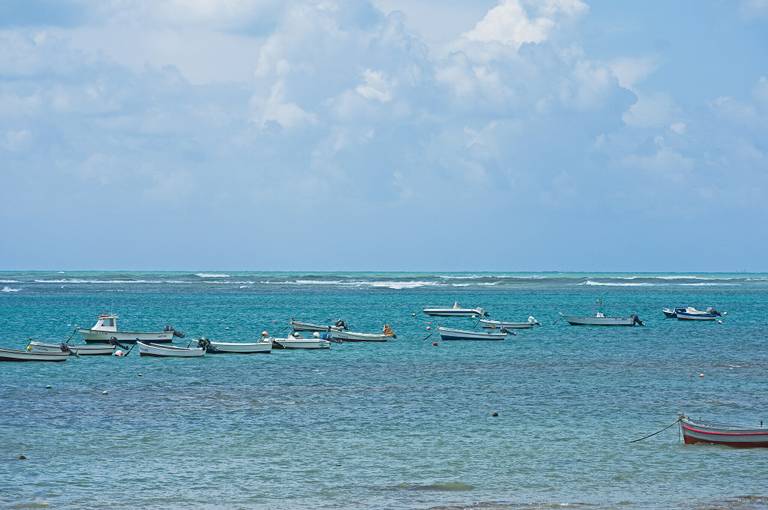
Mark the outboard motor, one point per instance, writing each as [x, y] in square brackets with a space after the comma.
[714, 312]
[204, 343]
[179, 334]
[636, 320]
[532, 320]
[341, 324]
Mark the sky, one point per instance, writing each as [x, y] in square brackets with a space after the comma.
[476, 135]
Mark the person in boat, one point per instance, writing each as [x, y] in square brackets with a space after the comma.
[388, 330]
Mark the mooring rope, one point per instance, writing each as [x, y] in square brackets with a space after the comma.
[658, 431]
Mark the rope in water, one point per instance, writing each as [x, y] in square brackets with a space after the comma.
[658, 431]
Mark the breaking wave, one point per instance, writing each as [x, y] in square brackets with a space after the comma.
[212, 275]
[9, 289]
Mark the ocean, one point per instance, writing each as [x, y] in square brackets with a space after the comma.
[402, 424]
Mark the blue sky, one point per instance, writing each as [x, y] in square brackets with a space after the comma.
[384, 135]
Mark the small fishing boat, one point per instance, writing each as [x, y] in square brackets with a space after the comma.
[352, 336]
[95, 349]
[169, 351]
[490, 324]
[692, 314]
[295, 341]
[17, 355]
[455, 311]
[599, 319]
[106, 329]
[308, 326]
[262, 346]
[695, 432]
[462, 334]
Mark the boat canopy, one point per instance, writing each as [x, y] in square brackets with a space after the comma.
[106, 322]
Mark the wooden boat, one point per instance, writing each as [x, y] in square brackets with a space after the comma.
[295, 341]
[353, 336]
[263, 346]
[455, 311]
[308, 326]
[169, 351]
[490, 324]
[461, 334]
[692, 314]
[695, 432]
[106, 329]
[599, 319]
[95, 349]
[17, 355]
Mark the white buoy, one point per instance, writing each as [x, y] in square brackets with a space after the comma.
[48, 386]
[105, 392]
[429, 328]
[701, 374]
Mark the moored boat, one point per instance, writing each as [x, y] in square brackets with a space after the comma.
[105, 329]
[18, 355]
[462, 334]
[692, 314]
[296, 341]
[353, 336]
[737, 437]
[95, 349]
[599, 319]
[491, 324]
[671, 313]
[455, 311]
[169, 351]
[260, 347]
[308, 326]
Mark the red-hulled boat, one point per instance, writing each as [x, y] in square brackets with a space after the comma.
[694, 432]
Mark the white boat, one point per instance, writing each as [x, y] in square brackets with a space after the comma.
[692, 314]
[490, 324]
[262, 346]
[169, 351]
[308, 326]
[17, 355]
[353, 336]
[461, 334]
[455, 311]
[95, 349]
[599, 319]
[295, 341]
[105, 329]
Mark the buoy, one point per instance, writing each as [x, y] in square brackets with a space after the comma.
[105, 392]
[413, 315]
[429, 328]
[494, 414]
[22, 457]
[701, 374]
[119, 353]
[141, 375]
[435, 344]
[48, 386]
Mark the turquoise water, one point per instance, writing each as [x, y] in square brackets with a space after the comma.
[402, 424]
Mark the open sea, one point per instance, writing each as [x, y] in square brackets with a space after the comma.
[401, 424]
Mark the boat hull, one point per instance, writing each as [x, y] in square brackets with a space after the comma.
[450, 312]
[126, 337]
[696, 433]
[460, 334]
[351, 336]
[80, 350]
[239, 348]
[600, 321]
[167, 351]
[300, 343]
[684, 316]
[488, 324]
[308, 326]
[17, 355]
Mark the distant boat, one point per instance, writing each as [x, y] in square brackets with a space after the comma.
[694, 432]
[490, 324]
[105, 329]
[692, 314]
[295, 341]
[308, 326]
[461, 334]
[169, 351]
[352, 336]
[599, 319]
[17, 355]
[455, 311]
[96, 349]
[263, 346]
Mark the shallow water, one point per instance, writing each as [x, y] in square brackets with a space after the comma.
[402, 424]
